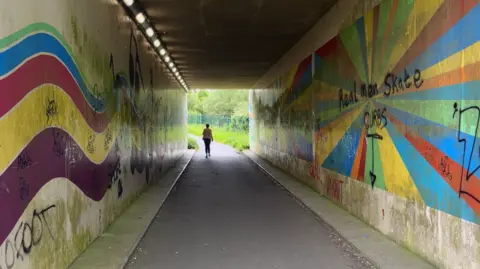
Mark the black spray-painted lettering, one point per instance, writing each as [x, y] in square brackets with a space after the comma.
[397, 84]
[27, 235]
[467, 155]
[377, 119]
[347, 99]
[24, 161]
[24, 189]
[368, 91]
[51, 109]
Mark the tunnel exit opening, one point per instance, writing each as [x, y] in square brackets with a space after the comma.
[226, 111]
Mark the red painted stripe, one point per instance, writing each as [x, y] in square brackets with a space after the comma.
[434, 156]
[334, 53]
[41, 70]
[361, 170]
[328, 48]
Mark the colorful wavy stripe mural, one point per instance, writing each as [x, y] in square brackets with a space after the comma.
[55, 126]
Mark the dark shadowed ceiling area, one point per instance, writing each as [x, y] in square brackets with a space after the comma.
[230, 44]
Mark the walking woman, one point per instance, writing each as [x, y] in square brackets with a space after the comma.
[207, 138]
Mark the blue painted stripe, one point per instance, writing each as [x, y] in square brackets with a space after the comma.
[342, 157]
[45, 43]
[462, 35]
[434, 190]
[465, 91]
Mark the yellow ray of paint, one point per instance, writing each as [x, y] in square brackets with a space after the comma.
[421, 14]
[20, 125]
[333, 133]
[462, 58]
[325, 91]
[369, 40]
[397, 179]
[304, 101]
[289, 76]
[332, 113]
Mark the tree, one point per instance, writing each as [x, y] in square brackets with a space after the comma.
[220, 102]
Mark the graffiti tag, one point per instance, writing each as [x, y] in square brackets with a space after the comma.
[27, 235]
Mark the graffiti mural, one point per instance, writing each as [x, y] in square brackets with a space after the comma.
[75, 153]
[285, 110]
[395, 104]
[396, 107]
[394, 99]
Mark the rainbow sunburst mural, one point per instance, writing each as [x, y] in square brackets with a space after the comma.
[396, 104]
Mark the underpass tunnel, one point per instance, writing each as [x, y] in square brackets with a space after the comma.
[362, 129]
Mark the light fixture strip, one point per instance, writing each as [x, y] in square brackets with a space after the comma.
[140, 17]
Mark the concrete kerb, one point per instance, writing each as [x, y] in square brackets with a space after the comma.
[192, 154]
[397, 256]
[101, 254]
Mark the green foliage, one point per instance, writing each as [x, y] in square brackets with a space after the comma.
[241, 110]
[219, 102]
[239, 124]
[238, 140]
[192, 143]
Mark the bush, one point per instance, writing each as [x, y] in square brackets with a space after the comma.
[192, 143]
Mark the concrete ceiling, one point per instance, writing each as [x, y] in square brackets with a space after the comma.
[230, 44]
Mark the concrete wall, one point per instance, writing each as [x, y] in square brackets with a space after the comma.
[382, 117]
[88, 118]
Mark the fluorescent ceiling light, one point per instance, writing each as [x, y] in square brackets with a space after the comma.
[156, 43]
[128, 2]
[150, 32]
[140, 18]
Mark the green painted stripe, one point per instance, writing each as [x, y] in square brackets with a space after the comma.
[385, 7]
[351, 41]
[398, 29]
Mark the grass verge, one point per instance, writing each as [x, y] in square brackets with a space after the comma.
[192, 143]
[222, 135]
